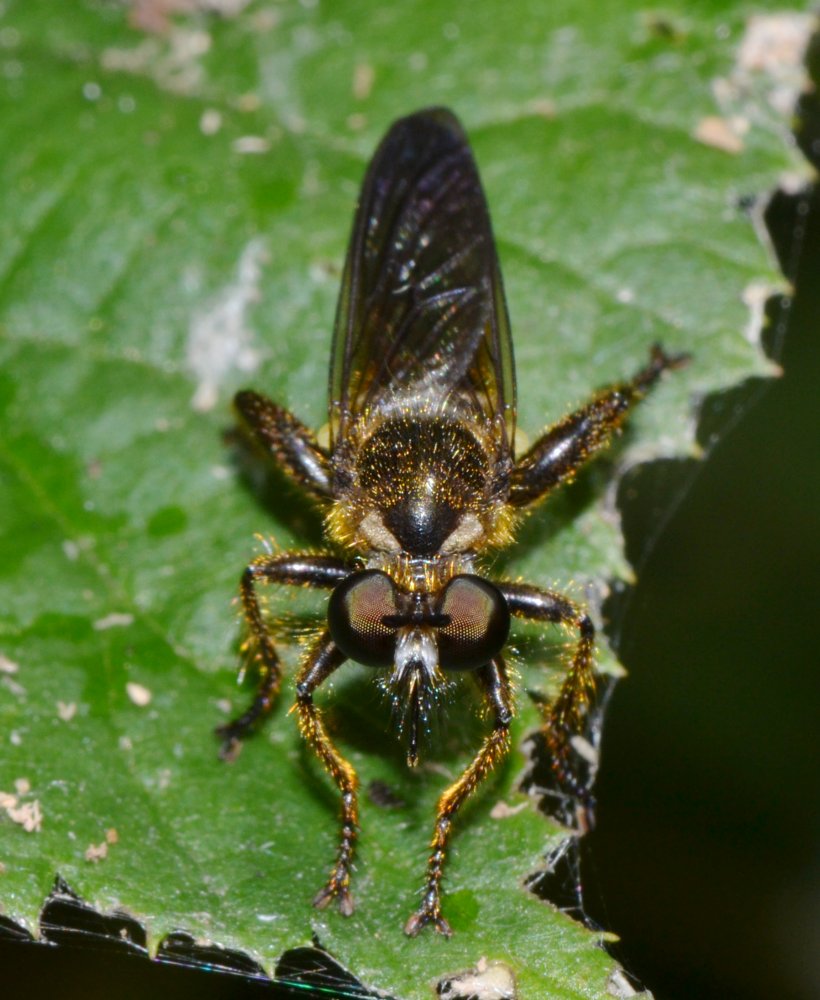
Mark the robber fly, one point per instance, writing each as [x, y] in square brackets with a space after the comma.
[420, 480]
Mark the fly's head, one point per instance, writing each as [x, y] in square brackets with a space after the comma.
[418, 634]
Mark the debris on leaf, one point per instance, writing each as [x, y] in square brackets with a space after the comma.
[114, 620]
[719, 133]
[66, 710]
[29, 815]
[138, 693]
[8, 666]
[487, 981]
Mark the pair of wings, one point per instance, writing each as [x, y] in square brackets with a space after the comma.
[421, 318]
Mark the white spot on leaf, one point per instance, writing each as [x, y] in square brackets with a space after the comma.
[219, 339]
[96, 852]
[66, 710]
[138, 694]
[254, 144]
[8, 666]
[210, 121]
[363, 78]
[775, 45]
[114, 620]
[721, 133]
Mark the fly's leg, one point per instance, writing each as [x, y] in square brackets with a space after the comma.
[292, 445]
[496, 686]
[291, 569]
[324, 658]
[559, 453]
[563, 717]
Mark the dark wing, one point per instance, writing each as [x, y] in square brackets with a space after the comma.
[421, 320]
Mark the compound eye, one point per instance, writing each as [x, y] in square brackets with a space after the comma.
[479, 623]
[355, 616]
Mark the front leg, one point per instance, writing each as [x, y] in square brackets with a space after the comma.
[496, 687]
[564, 716]
[563, 449]
[287, 440]
[324, 658]
[294, 570]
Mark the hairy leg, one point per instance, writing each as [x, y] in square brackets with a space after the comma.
[324, 658]
[292, 445]
[564, 716]
[293, 570]
[496, 687]
[559, 453]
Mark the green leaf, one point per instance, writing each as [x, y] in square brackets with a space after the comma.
[175, 210]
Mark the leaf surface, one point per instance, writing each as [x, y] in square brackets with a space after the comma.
[174, 215]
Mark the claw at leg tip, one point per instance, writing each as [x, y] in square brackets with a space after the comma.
[422, 918]
[323, 898]
[231, 744]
